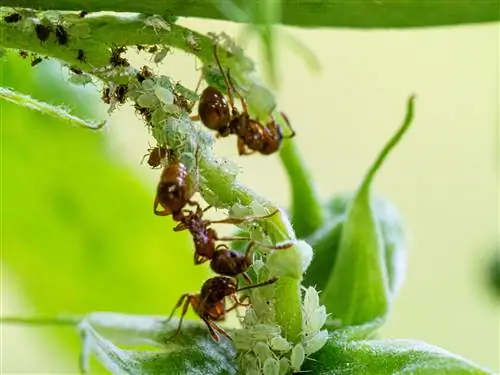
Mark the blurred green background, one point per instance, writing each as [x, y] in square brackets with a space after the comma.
[79, 235]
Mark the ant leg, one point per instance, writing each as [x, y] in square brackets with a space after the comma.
[264, 283]
[242, 148]
[243, 101]
[198, 259]
[239, 220]
[165, 211]
[180, 227]
[232, 238]
[188, 298]
[215, 327]
[226, 80]
[292, 134]
[246, 277]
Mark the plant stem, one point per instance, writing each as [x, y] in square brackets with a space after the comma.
[307, 212]
[305, 13]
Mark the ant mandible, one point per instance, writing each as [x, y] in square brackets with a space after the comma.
[215, 113]
[223, 260]
[210, 305]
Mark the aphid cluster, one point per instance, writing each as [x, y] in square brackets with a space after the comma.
[176, 188]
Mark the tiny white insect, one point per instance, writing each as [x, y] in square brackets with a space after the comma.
[316, 343]
[271, 367]
[317, 319]
[164, 95]
[262, 351]
[160, 55]
[284, 366]
[156, 22]
[297, 357]
[280, 344]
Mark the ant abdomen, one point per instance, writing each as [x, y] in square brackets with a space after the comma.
[213, 110]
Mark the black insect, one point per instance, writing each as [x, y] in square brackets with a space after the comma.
[76, 70]
[12, 18]
[36, 61]
[144, 73]
[81, 56]
[83, 13]
[140, 47]
[121, 93]
[115, 59]
[61, 35]
[106, 95]
[23, 53]
[42, 32]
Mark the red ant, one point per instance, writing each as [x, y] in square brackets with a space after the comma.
[223, 260]
[156, 156]
[214, 112]
[209, 304]
[174, 191]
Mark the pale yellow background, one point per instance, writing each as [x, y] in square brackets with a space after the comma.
[443, 176]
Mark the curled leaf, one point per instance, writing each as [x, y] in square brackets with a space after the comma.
[357, 291]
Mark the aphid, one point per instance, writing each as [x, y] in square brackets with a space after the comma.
[12, 18]
[156, 156]
[23, 53]
[174, 191]
[36, 61]
[223, 260]
[61, 35]
[144, 73]
[153, 49]
[106, 95]
[42, 32]
[210, 305]
[75, 69]
[120, 93]
[156, 22]
[140, 47]
[115, 59]
[83, 13]
[81, 56]
[215, 113]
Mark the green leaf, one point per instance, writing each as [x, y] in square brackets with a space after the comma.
[193, 351]
[326, 241]
[389, 357]
[357, 291]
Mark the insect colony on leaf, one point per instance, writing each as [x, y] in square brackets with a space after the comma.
[174, 196]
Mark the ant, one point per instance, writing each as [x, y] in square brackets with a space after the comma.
[209, 304]
[223, 260]
[174, 191]
[61, 35]
[156, 156]
[42, 32]
[12, 18]
[215, 113]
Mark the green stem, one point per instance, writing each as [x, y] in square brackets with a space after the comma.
[390, 145]
[60, 320]
[307, 212]
[306, 13]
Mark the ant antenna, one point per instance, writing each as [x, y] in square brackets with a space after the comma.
[267, 282]
[292, 134]
[243, 101]
[226, 80]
